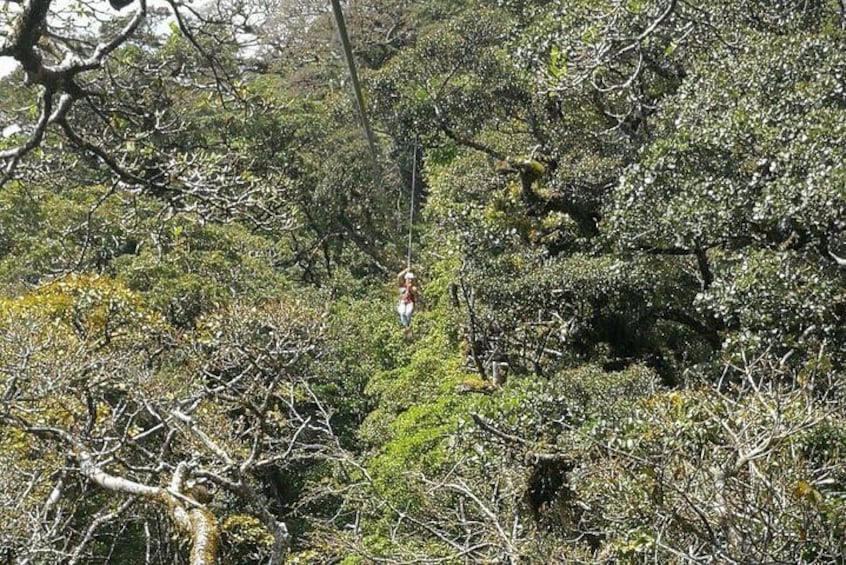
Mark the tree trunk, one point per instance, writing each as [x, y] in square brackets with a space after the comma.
[188, 514]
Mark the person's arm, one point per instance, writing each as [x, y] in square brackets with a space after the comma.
[401, 277]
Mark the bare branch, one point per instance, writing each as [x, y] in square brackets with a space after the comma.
[47, 117]
[203, 437]
[23, 45]
[96, 524]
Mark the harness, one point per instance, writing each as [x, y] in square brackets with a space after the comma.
[407, 294]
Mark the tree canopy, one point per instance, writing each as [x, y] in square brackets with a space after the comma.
[628, 226]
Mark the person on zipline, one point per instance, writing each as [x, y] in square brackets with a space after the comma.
[407, 297]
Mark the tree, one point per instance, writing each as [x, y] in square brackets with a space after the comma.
[54, 61]
[629, 229]
[751, 192]
[110, 418]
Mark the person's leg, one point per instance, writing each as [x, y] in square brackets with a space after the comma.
[409, 308]
[404, 314]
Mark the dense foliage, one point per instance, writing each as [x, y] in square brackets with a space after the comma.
[629, 224]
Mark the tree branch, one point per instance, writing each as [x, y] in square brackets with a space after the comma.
[22, 44]
[190, 516]
[461, 140]
[96, 524]
[530, 455]
[47, 117]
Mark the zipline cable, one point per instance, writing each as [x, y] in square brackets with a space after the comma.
[411, 206]
[362, 112]
[359, 97]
